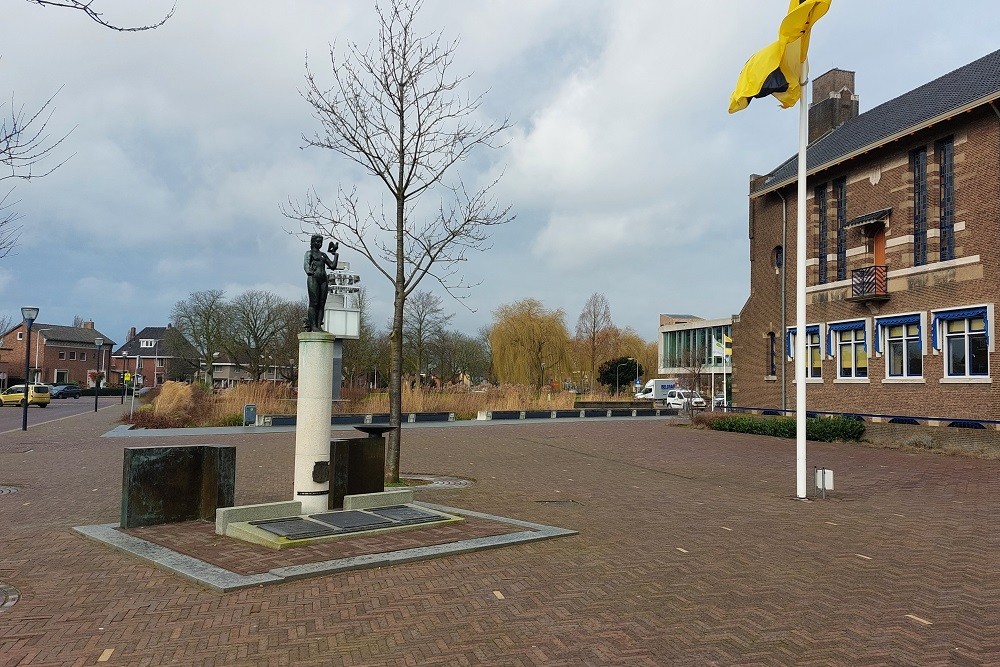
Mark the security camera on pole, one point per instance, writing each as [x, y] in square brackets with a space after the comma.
[320, 348]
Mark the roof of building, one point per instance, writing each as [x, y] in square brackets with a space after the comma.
[161, 349]
[965, 88]
[57, 333]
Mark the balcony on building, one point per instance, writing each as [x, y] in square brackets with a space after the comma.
[871, 282]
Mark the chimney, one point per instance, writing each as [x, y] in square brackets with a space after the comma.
[88, 324]
[833, 102]
[131, 334]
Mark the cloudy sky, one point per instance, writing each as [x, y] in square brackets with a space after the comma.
[625, 172]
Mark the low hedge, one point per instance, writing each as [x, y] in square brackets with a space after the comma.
[823, 429]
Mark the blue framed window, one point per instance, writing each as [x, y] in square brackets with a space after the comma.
[852, 348]
[945, 150]
[814, 350]
[904, 345]
[918, 163]
[840, 195]
[822, 233]
[965, 337]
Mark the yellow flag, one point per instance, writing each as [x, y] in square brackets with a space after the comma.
[777, 68]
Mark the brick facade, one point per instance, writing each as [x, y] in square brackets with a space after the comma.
[58, 354]
[878, 179]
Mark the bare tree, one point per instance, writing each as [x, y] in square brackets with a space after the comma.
[24, 146]
[424, 323]
[24, 138]
[201, 318]
[361, 356]
[593, 328]
[255, 322]
[87, 7]
[394, 111]
[293, 314]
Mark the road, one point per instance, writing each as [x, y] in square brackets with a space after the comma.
[60, 408]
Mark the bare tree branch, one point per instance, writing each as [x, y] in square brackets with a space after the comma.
[87, 7]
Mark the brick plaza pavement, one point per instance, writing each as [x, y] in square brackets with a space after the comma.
[691, 552]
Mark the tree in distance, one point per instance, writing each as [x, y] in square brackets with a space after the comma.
[616, 373]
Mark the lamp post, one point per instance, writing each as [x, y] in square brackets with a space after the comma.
[29, 314]
[624, 363]
[124, 372]
[99, 344]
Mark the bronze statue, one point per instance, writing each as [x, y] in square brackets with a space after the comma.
[315, 264]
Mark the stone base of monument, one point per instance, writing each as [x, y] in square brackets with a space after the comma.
[282, 525]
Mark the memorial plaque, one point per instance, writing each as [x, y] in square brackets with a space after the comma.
[295, 528]
[352, 520]
[406, 515]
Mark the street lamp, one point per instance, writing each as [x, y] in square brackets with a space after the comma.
[99, 344]
[124, 372]
[29, 314]
[624, 363]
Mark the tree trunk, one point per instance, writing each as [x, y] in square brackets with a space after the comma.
[396, 344]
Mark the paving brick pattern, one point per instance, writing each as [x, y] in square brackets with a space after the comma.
[691, 552]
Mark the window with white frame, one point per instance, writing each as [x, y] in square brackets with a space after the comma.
[904, 358]
[814, 350]
[146, 342]
[83, 356]
[904, 345]
[62, 355]
[814, 354]
[851, 348]
[72, 356]
[20, 335]
[963, 335]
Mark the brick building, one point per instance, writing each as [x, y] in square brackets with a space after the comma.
[58, 355]
[903, 263]
[155, 355]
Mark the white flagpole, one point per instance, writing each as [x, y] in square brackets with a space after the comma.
[800, 291]
[726, 362]
[713, 373]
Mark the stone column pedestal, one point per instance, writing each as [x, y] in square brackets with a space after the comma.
[312, 424]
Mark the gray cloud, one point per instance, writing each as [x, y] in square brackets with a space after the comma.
[627, 175]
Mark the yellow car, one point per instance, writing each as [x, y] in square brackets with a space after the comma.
[38, 394]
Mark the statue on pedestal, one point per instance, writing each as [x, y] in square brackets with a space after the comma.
[315, 264]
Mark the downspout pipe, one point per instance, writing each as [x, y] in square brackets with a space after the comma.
[784, 298]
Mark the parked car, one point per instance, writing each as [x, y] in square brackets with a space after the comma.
[719, 401]
[65, 391]
[38, 394]
[682, 399]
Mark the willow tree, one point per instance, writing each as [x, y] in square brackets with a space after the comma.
[529, 343]
[394, 110]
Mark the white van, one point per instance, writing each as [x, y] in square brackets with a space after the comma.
[656, 389]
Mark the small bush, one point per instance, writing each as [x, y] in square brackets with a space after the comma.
[235, 419]
[146, 417]
[824, 429]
